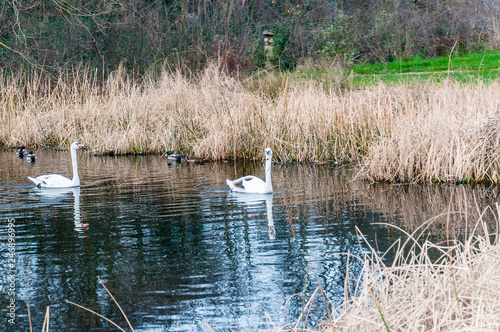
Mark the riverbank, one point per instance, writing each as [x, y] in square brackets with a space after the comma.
[425, 132]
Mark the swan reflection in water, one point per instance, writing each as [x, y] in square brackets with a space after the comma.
[255, 199]
[57, 196]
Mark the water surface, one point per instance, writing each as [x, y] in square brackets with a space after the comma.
[180, 252]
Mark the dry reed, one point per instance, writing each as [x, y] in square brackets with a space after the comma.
[101, 316]
[456, 291]
[429, 132]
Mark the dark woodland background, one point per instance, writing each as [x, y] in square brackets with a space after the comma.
[58, 36]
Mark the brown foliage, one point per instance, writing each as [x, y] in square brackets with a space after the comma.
[141, 34]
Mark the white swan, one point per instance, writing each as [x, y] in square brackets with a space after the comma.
[252, 184]
[59, 181]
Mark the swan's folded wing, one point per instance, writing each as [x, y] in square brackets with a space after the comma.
[254, 185]
[51, 181]
[239, 182]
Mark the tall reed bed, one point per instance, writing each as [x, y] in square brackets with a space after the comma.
[429, 287]
[436, 132]
[444, 132]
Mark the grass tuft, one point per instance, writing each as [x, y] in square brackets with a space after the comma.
[420, 292]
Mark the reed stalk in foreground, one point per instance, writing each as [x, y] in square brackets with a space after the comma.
[101, 316]
[427, 132]
[420, 293]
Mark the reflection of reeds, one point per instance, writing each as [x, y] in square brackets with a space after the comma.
[458, 291]
[444, 132]
[414, 204]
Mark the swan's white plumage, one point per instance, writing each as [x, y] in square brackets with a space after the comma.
[59, 181]
[252, 184]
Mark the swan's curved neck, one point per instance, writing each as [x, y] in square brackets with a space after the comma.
[269, 183]
[76, 178]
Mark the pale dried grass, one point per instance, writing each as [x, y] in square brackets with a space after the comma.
[429, 132]
[443, 132]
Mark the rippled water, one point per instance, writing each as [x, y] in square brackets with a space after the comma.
[181, 253]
